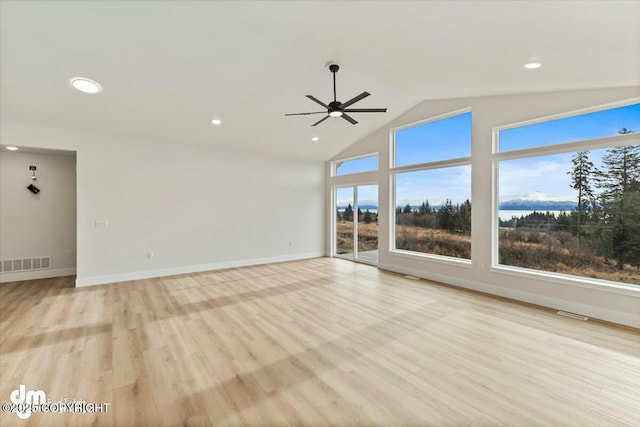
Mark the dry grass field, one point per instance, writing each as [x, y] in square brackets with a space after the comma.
[547, 252]
[557, 253]
[367, 237]
[429, 240]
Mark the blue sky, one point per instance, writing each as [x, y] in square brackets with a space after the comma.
[446, 139]
[367, 195]
[540, 178]
[363, 164]
[586, 126]
[436, 185]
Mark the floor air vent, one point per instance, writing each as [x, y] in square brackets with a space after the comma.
[572, 315]
[412, 277]
[25, 264]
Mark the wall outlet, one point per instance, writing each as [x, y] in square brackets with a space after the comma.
[149, 255]
[102, 223]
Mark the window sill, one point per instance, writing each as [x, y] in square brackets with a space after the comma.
[457, 262]
[566, 279]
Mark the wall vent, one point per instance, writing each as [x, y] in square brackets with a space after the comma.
[25, 264]
[573, 315]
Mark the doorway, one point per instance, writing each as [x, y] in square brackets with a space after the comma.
[38, 226]
[356, 223]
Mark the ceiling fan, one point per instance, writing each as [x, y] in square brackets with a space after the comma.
[337, 108]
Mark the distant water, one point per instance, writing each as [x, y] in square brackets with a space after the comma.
[370, 208]
[508, 214]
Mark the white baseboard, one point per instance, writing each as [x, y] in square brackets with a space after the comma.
[18, 276]
[148, 274]
[546, 301]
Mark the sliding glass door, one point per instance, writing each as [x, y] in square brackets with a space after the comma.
[356, 222]
[344, 225]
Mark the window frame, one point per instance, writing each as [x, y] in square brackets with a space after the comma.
[560, 148]
[437, 164]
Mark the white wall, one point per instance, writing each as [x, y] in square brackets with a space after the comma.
[43, 224]
[617, 305]
[195, 208]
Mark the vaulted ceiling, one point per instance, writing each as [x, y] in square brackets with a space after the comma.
[168, 67]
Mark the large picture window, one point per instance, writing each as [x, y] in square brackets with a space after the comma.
[572, 207]
[432, 176]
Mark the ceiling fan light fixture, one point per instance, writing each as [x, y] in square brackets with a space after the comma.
[336, 113]
[85, 85]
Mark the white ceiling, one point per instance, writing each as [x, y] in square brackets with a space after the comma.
[168, 67]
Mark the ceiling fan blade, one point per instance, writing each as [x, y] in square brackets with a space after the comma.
[305, 114]
[320, 121]
[366, 110]
[354, 100]
[314, 99]
[348, 118]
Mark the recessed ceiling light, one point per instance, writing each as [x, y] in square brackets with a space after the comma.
[532, 65]
[315, 138]
[216, 121]
[85, 85]
[12, 148]
[336, 113]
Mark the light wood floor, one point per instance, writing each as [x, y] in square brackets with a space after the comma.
[316, 342]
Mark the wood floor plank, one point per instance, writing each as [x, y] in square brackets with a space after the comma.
[320, 342]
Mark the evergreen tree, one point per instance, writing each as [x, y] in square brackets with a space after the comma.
[580, 174]
[463, 216]
[407, 209]
[348, 213]
[563, 222]
[425, 208]
[445, 217]
[619, 181]
[367, 217]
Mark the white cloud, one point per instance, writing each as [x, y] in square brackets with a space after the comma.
[541, 178]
